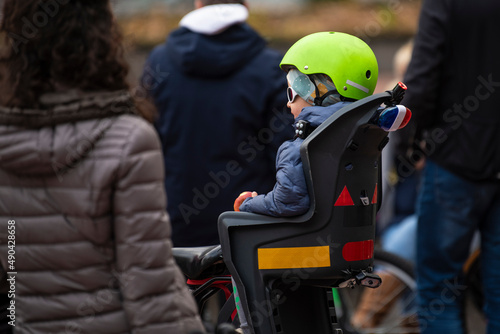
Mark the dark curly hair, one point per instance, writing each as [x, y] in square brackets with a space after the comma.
[59, 44]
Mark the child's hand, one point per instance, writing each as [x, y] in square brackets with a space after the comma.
[243, 196]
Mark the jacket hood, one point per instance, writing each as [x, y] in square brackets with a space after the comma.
[214, 19]
[217, 55]
[317, 115]
[59, 135]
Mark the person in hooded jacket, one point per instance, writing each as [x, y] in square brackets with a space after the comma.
[84, 237]
[222, 115]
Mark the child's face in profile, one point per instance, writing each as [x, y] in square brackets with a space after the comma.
[295, 102]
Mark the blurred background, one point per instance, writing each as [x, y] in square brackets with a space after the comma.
[385, 25]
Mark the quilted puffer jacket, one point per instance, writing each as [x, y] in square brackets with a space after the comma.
[82, 180]
[289, 196]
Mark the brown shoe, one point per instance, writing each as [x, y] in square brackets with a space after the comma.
[375, 303]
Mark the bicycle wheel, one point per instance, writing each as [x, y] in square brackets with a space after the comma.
[389, 309]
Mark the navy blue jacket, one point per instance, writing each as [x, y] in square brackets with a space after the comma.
[222, 116]
[289, 196]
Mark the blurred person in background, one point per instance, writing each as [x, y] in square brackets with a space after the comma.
[222, 115]
[399, 234]
[454, 92]
[81, 181]
[396, 219]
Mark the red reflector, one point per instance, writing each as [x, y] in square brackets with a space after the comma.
[344, 198]
[375, 195]
[402, 85]
[358, 251]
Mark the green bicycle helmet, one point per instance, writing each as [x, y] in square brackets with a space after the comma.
[346, 59]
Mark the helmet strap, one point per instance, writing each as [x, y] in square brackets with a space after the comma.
[318, 100]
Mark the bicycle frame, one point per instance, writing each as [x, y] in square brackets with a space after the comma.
[204, 289]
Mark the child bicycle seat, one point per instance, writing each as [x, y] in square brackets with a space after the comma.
[284, 268]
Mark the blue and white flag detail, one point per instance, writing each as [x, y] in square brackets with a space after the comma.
[394, 118]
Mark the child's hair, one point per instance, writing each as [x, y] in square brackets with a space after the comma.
[216, 2]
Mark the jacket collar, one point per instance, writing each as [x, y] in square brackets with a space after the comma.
[317, 115]
[69, 106]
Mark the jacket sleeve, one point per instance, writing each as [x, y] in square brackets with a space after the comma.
[289, 196]
[424, 72]
[155, 297]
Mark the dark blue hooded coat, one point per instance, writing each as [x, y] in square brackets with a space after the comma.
[289, 196]
[222, 116]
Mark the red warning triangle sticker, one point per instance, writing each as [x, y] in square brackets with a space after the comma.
[375, 194]
[344, 198]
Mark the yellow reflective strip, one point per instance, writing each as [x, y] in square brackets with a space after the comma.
[294, 257]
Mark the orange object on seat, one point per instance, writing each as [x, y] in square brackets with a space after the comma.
[243, 196]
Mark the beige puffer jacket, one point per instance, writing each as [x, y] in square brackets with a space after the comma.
[92, 238]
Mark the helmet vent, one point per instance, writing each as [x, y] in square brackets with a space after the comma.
[368, 74]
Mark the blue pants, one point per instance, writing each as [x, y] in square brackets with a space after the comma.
[450, 210]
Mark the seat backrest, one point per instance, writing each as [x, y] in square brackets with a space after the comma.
[342, 163]
[343, 157]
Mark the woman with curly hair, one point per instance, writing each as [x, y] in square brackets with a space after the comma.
[81, 181]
